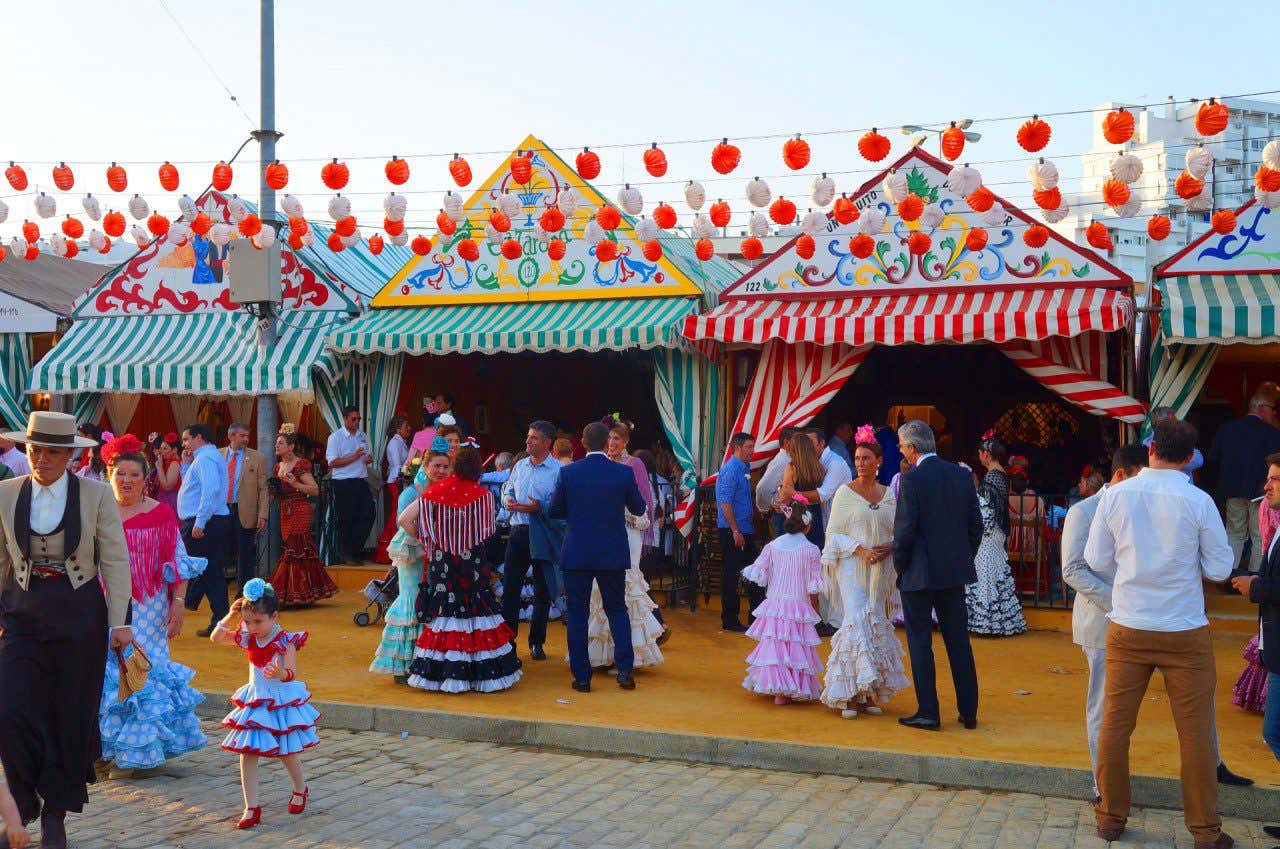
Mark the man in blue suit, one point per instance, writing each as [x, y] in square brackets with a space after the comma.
[592, 495]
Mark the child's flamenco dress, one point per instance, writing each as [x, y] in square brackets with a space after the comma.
[271, 718]
[395, 651]
[786, 662]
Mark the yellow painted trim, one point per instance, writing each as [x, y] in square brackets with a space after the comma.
[679, 287]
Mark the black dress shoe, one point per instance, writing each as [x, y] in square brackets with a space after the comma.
[537, 653]
[582, 686]
[626, 682]
[1271, 831]
[53, 828]
[205, 632]
[927, 723]
[735, 627]
[1226, 776]
[969, 724]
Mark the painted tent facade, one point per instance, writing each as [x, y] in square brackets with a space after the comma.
[443, 304]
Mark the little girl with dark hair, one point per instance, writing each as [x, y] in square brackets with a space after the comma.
[785, 664]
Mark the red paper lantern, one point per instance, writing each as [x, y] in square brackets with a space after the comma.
[725, 157]
[1211, 118]
[461, 173]
[16, 176]
[981, 200]
[500, 221]
[975, 240]
[1096, 235]
[421, 245]
[608, 217]
[652, 250]
[200, 225]
[375, 244]
[168, 177]
[751, 248]
[556, 249]
[335, 243]
[1158, 228]
[444, 222]
[862, 246]
[222, 176]
[1034, 134]
[106, 246]
[1117, 126]
[511, 249]
[1267, 179]
[468, 250]
[276, 176]
[873, 146]
[335, 175]
[297, 227]
[72, 228]
[1036, 236]
[31, 231]
[1187, 186]
[919, 243]
[395, 228]
[844, 210]
[159, 225]
[72, 250]
[910, 207]
[397, 171]
[1223, 222]
[4, 252]
[655, 161]
[250, 225]
[588, 164]
[607, 251]
[1049, 199]
[346, 227]
[552, 220]
[719, 213]
[664, 215]
[1115, 193]
[795, 153]
[953, 142]
[63, 178]
[704, 249]
[117, 179]
[782, 211]
[522, 169]
[805, 246]
[31, 253]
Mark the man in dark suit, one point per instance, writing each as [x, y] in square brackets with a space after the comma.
[1238, 453]
[936, 533]
[592, 495]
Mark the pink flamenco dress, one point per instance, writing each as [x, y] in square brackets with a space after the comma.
[271, 718]
[786, 663]
[1250, 690]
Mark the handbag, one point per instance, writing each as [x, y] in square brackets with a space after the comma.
[134, 670]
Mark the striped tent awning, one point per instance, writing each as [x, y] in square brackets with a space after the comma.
[1026, 314]
[535, 326]
[201, 353]
[1220, 308]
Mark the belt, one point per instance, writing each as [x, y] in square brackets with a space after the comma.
[48, 569]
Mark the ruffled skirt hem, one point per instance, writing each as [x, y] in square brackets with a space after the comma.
[780, 681]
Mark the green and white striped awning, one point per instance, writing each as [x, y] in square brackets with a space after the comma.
[201, 353]
[1220, 309]
[536, 326]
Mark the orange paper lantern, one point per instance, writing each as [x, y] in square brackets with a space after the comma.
[725, 157]
[16, 176]
[335, 243]
[910, 207]
[1211, 118]
[719, 213]
[862, 246]
[335, 175]
[31, 231]
[975, 240]
[468, 250]
[346, 226]
[444, 222]
[751, 248]
[952, 142]
[276, 176]
[1223, 222]
[652, 250]
[1115, 193]
[805, 246]
[250, 225]
[873, 146]
[664, 215]
[1158, 228]
[844, 210]
[63, 178]
[981, 200]
[919, 243]
[394, 228]
[200, 225]
[522, 169]
[1096, 234]
[556, 249]
[655, 161]
[1049, 199]
[117, 179]
[460, 171]
[297, 226]
[704, 249]
[1034, 134]
[607, 251]
[552, 220]
[72, 228]
[168, 177]
[31, 253]
[588, 164]
[159, 225]
[608, 217]
[421, 245]
[222, 176]
[511, 249]
[106, 246]
[397, 171]
[500, 221]
[375, 244]
[795, 153]
[782, 211]
[1117, 126]
[72, 250]
[1036, 236]
[1187, 186]
[1267, 179]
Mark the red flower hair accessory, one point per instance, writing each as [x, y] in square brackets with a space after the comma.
[990, 434]
[127, 444]
[171, 438]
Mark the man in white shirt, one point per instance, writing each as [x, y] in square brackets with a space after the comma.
[837, 472]
[1161, 537]
[347, 452]
[14, 457]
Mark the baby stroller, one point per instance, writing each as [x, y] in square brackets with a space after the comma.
[380, 592]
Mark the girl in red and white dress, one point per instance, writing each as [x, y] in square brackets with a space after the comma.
[272, 717]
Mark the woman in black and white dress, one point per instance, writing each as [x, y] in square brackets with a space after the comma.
[994, 608]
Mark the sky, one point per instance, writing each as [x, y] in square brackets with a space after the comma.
[92, 82]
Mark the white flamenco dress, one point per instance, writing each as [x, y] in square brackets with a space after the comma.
[645, 628]
[866, 657]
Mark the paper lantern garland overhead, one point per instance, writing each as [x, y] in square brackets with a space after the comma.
[1126, 168]
[335, 175]
[1117, 126]
[222, 176]
[460, 171]
[694, 195]
[117, 178]
[963, 180]
[46, 206]
[276, 176]
[1034, 134]
[822, 191]
[725, 157]
[522, 168]
[845, 211]
[630, 199]
[873, 146]
[588, 164]
[397, 171]
[1211, 118]
[1223, 222]
[895, 186]
[795, 153]
[782, 211]
[719, 213]
[63, 177]
[1199, 161]
[805, 246]
[17, 177]
[1043, 175]
[952, 142]
[1158, 228]
[758, 192]
[655, 161]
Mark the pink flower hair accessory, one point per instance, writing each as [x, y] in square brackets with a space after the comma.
[801, 498]
[866, 435]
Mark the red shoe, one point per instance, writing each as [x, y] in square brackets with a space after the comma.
[299, 807]
[250, 819]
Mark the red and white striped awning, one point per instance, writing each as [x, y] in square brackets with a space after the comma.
[1000, 316]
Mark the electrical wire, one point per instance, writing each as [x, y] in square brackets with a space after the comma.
[200, 54]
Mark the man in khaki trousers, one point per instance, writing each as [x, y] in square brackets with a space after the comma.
[247, 500]
[1161, 536]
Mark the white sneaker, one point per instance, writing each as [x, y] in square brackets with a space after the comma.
[848, 714]
[873, 710]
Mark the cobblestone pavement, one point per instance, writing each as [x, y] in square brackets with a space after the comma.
[378, 791]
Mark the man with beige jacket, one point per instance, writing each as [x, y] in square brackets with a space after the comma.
[247, 500]
[61, 533]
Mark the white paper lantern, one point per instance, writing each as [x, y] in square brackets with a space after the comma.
[509, 204]
[180, 231]
[395, 206]
[219, 234]
[539, 233]
[453, 205]
[703, 227]
[399, 240]
[17, 246]
[1271, 155]
[567, 201]
[895, 186]
[1129, 208]
[348, 241]
[630, 199]
[291, 205]
[97, 239]
[339, 207]
[758, 225]
[593, 234]
[1202, 202]
[994, 216]
[872, 222]
[1043, 175]
[1126, 168]
[4, 212]
[236, 210]
[92, 208]
[1053, 216]
[1199, 161]
[646, 230]
[58, 244]
[694, 195]
[46, 206]
[1271, 200]
[813, 224]
[265, 238]
[822, 191]
[758, 193]
[931, 216]
[138, 207]
[964, 180]
[140, 235]
[493, 234]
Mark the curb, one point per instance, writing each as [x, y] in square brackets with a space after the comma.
[1258, 803]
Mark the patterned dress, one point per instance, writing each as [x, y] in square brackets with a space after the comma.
[464, 644]
[400, 633]
[167, 497]
[786, 662]
[270, 718]
[994, 609]
[300, 576]
[159, 721]
[1250, 690]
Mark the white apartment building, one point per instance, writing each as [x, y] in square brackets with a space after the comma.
[1161, 139]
